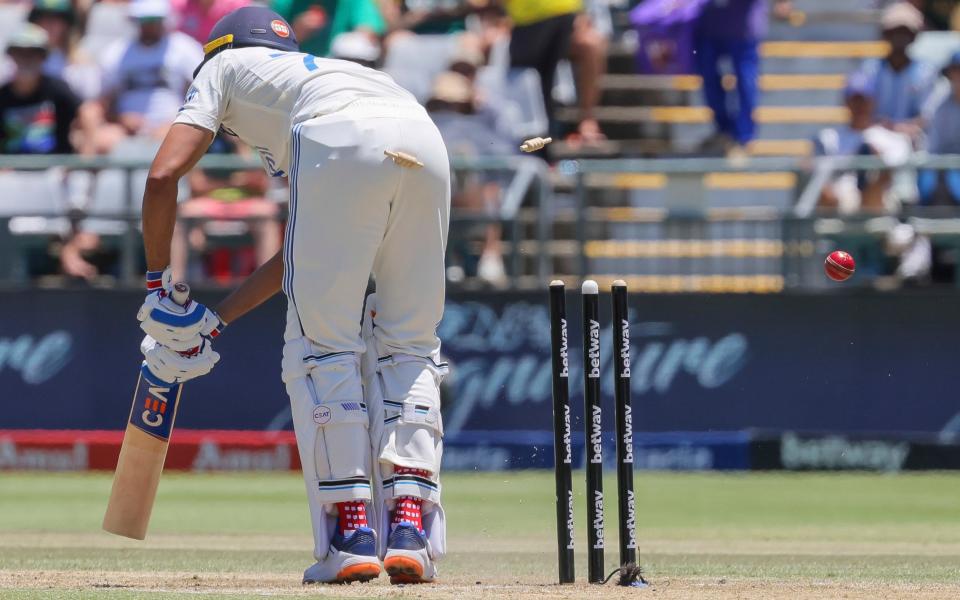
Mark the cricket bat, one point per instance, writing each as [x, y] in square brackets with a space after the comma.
[143, 451]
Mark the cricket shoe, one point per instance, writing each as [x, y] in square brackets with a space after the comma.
[353, 558]
[408, 558]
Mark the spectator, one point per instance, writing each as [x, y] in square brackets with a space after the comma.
[731, 29]
[426, 17]
[541, 38]
[37, 115]
[468, 130]
[467, 61]
[850, 192]
[144, 79]
[37, 111]
[197, 17]
[938, 14]
[588, 53]
[447, 18]
[943, 137]
[902, 85]
[465, 126]
[317, 22]
[65, 60]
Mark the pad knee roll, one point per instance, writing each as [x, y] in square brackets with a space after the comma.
[412, 428]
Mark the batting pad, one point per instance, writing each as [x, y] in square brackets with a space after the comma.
[406, 429]
[331, 423]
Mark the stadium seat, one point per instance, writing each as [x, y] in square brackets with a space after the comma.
[415, 60]
[32, 199]
[519, 102]
[111, 198]
[29, 203]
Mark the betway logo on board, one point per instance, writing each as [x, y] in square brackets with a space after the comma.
[836, 452]
[594, 351]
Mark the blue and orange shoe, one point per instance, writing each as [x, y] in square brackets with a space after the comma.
[351, 558]
[408, 558]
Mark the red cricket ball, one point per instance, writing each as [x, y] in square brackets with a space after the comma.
[839, 265]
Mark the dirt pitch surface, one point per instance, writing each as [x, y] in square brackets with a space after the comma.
[701, 536]
[107, 584]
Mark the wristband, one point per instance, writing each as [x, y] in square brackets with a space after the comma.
[155, 280]
[221, 325]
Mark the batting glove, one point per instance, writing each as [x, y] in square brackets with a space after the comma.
[178, 327]
[168, 366]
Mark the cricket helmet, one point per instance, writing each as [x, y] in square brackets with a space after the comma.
[249, 26]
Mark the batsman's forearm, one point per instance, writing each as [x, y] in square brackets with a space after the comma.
[159, 217]
[182, 147]
[260, 286]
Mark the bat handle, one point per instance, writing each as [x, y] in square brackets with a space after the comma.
[180, 293]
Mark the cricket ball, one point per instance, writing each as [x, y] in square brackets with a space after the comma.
[839, 265]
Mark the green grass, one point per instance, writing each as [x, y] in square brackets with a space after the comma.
[794, 527]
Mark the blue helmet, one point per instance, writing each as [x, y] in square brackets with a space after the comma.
[249, 26]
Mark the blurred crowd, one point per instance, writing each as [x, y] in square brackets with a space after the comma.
[898, 106]
[106, 77]
[903, 103]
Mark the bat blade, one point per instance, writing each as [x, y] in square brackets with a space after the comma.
[142, 455]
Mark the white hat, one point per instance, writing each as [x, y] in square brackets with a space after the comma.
[902, 14]
[150, 9]
[29, 36]
[355, 45]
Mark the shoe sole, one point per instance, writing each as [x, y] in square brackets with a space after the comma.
[403, 570]
[362, 573]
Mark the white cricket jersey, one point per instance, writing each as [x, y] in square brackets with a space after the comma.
[259, 94]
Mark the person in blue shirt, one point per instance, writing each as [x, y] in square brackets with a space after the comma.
[731, 29]
[943, 137]
[902, 85]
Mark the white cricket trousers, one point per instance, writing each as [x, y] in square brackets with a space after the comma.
[354, 212]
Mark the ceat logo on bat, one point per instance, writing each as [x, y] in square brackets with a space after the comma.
[280, 28]
[155, 404]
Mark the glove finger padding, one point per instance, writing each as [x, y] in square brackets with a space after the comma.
[179, 328]
[171, 366]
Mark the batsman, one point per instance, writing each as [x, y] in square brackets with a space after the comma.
[364, 389]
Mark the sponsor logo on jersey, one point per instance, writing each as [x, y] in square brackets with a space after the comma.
[280, 28]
